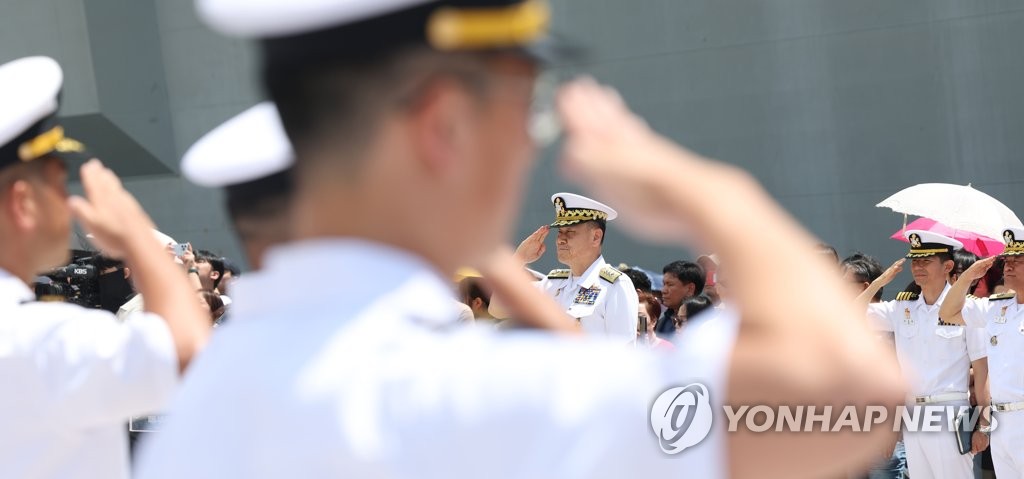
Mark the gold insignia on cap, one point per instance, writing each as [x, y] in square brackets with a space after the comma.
[1013, 246]
[915, 240]
[569, 216]
[455, 28]
[559, 207]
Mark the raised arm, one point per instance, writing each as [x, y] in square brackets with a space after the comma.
[122, 229]
[864, 298]
[801, 339]
[952, 307]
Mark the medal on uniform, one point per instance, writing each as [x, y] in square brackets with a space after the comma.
[1002, 316]
[907, 319]
[994, 340]
[587, 296]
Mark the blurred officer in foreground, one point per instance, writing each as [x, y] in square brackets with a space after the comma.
[72, 376]
[409, 122]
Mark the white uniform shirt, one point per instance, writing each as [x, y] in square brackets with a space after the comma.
[1002, 320]
[71, 378]
[935, 359]
[368, 375]
[603, 308]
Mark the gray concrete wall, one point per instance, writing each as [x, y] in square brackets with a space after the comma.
[832, 104]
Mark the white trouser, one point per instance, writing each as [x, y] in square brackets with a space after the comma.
[1008, 445]
[934, 455]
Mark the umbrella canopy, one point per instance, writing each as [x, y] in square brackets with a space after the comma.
[980, 245]
[959, 207]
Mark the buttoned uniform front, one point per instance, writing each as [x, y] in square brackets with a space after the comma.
[936, 360]
[379, 380]
[602, 299]
[71, 378]
[1001, 320]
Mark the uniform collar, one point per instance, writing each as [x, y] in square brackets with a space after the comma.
[588, 276]
[340, 271]
[942, 296]
[14, 290]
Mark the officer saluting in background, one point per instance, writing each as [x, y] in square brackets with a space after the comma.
[600, 297]
[71, 376]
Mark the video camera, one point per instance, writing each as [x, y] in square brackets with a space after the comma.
[77, 283]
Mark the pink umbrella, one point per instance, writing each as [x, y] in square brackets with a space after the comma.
[980, 245]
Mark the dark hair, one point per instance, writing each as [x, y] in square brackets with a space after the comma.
[342, 100]
[103, 262]
[827, 249]
[256, 208]
[653, 307]
[865, 268]
[912, 288]
[962, 260]
[695, 305]
[230, 266]
[215, 263]
[687, 272]
[473, 289]
[640, 279]
[215, 303]
[601, 225]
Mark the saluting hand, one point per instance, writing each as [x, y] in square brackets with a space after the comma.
[533, 247]
[891, 273]
[109, 212]
[978, 269]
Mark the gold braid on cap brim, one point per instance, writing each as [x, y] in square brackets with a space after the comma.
[579, 215]
[1014, 249]
[47, 142]
[924, 253]
[468, 28]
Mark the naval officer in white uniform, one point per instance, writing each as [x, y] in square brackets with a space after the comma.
[1001, 319]
[598, 296]
[72, 376]
[936, 356]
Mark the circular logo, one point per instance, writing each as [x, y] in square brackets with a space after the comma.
[681, 417]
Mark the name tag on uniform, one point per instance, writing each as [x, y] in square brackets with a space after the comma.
[587, 296]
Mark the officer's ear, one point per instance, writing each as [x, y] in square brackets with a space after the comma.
[21, 205]
[598, 235]
[947, 266]
[442, 124]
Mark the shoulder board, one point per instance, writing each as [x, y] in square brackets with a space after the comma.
[559, 274]
[610, 274]
[971, 296]
[907, 296]
[1002, 296]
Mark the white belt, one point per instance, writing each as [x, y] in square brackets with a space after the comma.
[1009, 406]
[938, 398]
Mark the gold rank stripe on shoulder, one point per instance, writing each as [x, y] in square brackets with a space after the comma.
[971, 296]
[907, 296]
[1002, 296]
[610, 274]
[559, 274]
